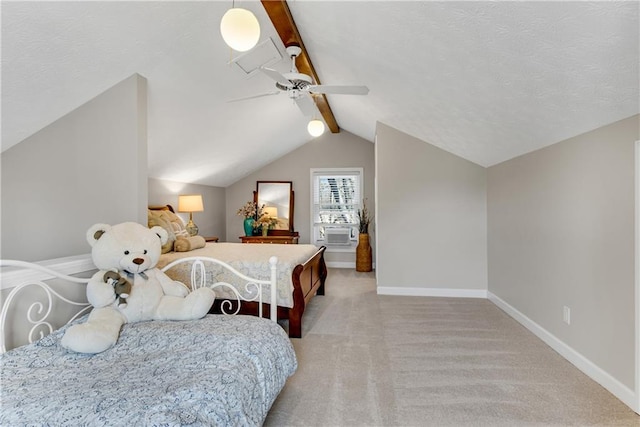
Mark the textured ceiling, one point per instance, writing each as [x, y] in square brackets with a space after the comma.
[484, 80]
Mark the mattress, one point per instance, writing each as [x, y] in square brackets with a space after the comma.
[219, 370]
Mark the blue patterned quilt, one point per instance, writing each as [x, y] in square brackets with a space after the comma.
[216, 371]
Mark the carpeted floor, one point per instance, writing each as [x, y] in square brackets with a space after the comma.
[369, 360]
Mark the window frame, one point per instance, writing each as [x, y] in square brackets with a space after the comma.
[314, 172]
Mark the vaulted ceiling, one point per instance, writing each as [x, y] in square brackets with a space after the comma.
[484, 80]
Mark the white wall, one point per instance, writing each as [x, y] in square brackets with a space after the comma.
[431, 219]
[211, 222]
[561, 232]
[89, 166]
[327, 151]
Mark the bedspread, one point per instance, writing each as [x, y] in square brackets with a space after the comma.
[216, 371]
[250, 259]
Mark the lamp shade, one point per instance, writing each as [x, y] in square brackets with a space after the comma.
[190, 203]
[240, 29]
[315, 127]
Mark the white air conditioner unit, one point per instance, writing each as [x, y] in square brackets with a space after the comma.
[337, 236]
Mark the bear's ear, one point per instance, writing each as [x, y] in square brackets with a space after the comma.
[96, 231]
[162, 234]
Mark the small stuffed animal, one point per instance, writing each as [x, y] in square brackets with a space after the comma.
[121, 286]
[133, 250]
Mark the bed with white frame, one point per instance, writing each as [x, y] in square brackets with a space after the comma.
[223, 369]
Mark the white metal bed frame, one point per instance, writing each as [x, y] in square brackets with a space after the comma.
[38, 314]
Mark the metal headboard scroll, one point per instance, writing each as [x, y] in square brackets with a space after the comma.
[38, 313]
[253, 286]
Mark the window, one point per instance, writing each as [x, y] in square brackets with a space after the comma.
[336, 198]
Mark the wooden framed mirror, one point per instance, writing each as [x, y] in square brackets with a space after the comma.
[277, 196]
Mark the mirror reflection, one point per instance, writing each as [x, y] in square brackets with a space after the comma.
[277, 196]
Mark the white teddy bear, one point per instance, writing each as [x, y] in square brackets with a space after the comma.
[133, 251]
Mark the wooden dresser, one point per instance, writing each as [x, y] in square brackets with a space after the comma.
[292, 240]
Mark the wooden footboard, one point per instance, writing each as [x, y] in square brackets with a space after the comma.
[308, 280]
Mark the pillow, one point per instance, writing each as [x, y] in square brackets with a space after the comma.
[179, 230]
[153, 220]
[177, 225]
[186, 244]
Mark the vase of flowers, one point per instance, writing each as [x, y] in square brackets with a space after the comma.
[248, 211]
[363, 250]
[266, 223]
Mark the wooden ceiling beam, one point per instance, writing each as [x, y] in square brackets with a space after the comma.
[280, 16]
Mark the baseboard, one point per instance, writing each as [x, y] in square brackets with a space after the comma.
[340, 264]
[432, 292]
[344, 264]
[12, 277]
[621, 391]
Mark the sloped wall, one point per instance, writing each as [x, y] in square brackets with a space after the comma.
[89, 166]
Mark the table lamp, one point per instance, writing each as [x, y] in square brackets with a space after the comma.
[190, 203]
[271, 211]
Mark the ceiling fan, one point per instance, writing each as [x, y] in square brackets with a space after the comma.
[300, 87]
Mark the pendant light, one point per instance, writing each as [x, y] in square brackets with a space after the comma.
[315, 127]
[240, 29]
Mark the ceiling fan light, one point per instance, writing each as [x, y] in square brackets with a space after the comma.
[315, 127]
[240, 29]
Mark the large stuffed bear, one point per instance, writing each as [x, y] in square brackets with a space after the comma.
[131, 250]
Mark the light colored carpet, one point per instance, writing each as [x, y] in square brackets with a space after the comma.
[369, 360]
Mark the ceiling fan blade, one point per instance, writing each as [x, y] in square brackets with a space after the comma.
[306, 105]
[339, 90]
[254, 96]
[277, 76]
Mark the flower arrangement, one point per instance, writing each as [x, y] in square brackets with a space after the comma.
[249, 210]
[364, 218]
[266, 221]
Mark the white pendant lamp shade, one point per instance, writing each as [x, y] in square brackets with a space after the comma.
[315, 127]
[240, 29]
